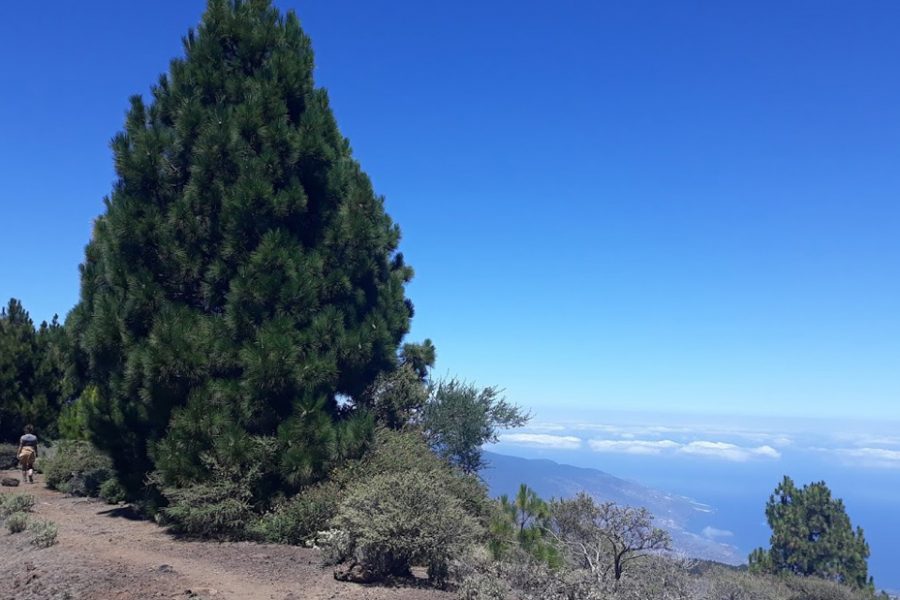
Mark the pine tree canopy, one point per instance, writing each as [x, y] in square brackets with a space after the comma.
[812, 536]
[244, 274]
[32, 367]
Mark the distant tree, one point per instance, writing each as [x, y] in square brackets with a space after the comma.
[812, 536]
[458, 419]
[51, 389]
[18, 351]
[244, 277]
[605, 538]
[32, 368]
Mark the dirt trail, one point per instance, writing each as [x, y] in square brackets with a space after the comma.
[107, 553]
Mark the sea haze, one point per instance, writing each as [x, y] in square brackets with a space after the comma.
[731, 467]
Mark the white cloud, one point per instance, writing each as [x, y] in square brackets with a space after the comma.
[721, 450]
[543, 440]
[867, 441]
[713, 533]
[633, 446]
[728, 451]
[542, 426]
[880, 458]
[879, 453]
[681, 433]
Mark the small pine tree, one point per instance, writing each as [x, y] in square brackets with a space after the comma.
[244, 275]
[812, 535]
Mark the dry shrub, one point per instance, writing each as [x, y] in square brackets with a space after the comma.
[395, 521]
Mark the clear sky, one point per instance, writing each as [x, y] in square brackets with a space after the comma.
[646, 206]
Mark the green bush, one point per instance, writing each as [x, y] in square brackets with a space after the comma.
[112, 491]
[15, 503]
[395, 521]
[8, 456]
[17, 522]
[406, 451]
[220, 507]
[77, 468]
[298, 520]
[43, 533]
[215, 509]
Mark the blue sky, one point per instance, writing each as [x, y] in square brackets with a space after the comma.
[655, 207]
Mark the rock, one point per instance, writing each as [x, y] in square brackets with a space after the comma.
[9, 481]
[355, 573]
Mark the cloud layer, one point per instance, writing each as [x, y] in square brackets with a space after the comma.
[633, 446]
[878, 458]
[712, 533]
[868, 447]
[542, 440]
[722, 450]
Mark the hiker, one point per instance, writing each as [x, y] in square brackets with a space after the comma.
[28, 449]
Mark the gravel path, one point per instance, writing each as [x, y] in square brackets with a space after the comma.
[106, 553]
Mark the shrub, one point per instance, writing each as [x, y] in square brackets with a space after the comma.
[15, 503]
[298, 520]
[479, 586]
[659, 577]
[219, 507]
[43, 533]
[17, 522]
[728, 584]
[815, 588]
[405, 452]
[8, 456]
[214, 509]
[77, 468]
[112, 491]
[478, 577]
[394, 521]
[535, 580]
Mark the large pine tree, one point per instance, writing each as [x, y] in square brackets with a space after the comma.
[244, 276]
[812, 536]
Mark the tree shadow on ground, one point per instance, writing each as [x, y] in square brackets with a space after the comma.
[124, 512]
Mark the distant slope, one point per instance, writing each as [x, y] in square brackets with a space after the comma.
[681, 516]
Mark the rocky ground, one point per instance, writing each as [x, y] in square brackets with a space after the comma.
[107, 553]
